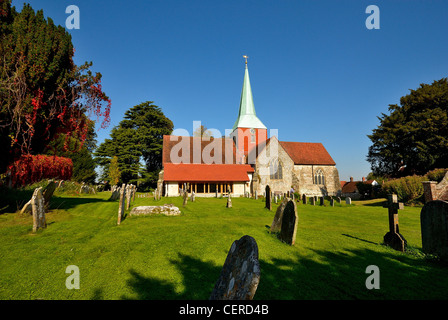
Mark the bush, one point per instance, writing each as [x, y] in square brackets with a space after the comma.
[408, 189]
[33, 168]
[436, 175]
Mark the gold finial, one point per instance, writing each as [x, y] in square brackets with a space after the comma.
[245, 57]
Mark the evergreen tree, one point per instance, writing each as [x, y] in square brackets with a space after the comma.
[413, 138]
[138, 138]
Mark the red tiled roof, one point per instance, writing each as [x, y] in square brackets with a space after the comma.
[307, 153]
[206, 172]
[350, 187]
[196, 148]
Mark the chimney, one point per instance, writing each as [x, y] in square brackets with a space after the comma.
[351, 179]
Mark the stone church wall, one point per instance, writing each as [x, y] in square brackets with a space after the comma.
[300, 177]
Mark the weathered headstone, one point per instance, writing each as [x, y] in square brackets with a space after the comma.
[277, 222]
[256, 195]
[321, 201]
[289, 223]
[268, 198]
[348, 200]
[313, 201]
[185, 198]
[331, 202]
[304, 198]
[128, 196]
[240, 274]
[434, 228]
[48, 192]
[115, 193]
[38, 209]
[121, 204]
[229, 201]
[166, 209]
[393, 238]
[339, 199]
[192, 198]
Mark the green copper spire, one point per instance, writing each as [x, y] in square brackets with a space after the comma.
[247, 117]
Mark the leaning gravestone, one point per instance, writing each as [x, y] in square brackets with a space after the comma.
[289, 223]
[48, 192]
[121, 204]
[277, 222]
[240, 274]
[268, 198]
[38, 209]
[434, 227]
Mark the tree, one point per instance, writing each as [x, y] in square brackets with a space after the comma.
[202, 132]
[137, 138]
[43, 94]
[413, 138]
[114, 172]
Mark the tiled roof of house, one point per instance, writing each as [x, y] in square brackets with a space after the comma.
[206, 172]
[198, 150]
[307, 153]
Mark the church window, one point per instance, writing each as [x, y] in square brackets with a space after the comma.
[252, 135]
[276, 170]
[319, 177]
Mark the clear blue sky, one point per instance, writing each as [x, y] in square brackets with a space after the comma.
[317, 73]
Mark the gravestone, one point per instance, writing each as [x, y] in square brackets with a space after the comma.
[393, 238]
[313, 201]
[38, 209]
[304, 198]
[256, 195]
[166, 209]
[240, 274]
[192, 196]
[229, 201]
[121, 204]
[321, 201]
[277, 222]
[216, 193]
[115, 194]
[348, 200]
[339, 199]
[275, 199]
[332, 202]
[289, 223]
[434, 228]
[48, 192]
[185, 198]
[268, 198]
[128, 196]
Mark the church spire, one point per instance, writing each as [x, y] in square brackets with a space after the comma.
[247, 117]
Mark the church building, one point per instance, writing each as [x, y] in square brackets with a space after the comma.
[246, 161]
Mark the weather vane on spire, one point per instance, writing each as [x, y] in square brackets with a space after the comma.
[246, 57]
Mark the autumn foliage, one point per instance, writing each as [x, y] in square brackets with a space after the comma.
[33, 168]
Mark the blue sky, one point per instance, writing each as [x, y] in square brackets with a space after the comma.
[317, 73]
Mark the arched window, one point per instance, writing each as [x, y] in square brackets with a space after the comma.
[276, 170]
[319, 177]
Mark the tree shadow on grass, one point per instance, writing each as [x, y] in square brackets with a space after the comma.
[328, 275]
[66, 203]
[199, 278]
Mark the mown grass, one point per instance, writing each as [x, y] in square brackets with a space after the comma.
[159, 257]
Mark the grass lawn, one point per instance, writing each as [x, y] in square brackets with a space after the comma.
[159, 257]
